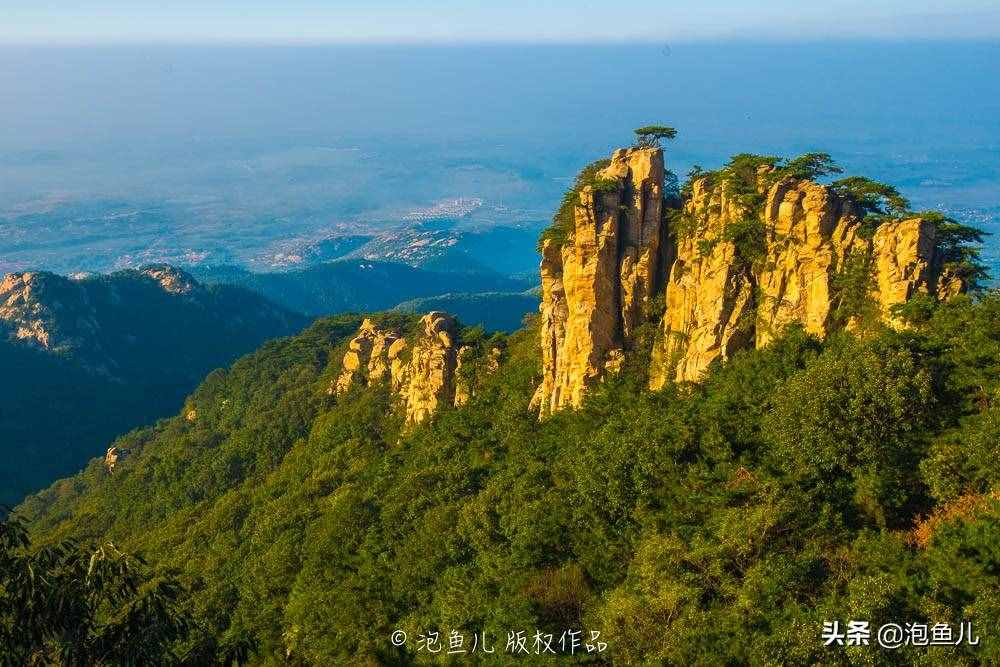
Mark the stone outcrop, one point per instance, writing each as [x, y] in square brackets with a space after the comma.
[113, 456]
[905, 264]
[735, 271]
[430, 378]
[707, 284]
[49, 312]
[719, 302]
[598, 285]
[422, 375]
[367, 357]
[170, 278]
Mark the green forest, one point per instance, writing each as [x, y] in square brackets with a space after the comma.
[717, 523]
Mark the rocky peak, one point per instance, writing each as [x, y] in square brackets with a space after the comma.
[422, 373]
[807, 261]
[103, 323]
[368, 356]
[430, 378]
[170, 278]
[736, 264]
[47, 311]
[598, 284]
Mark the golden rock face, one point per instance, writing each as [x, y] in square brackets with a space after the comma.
[597, 286]
[717, 304]
[905, 265]
[810, 233]
[420, 381]
[367, 356]
[708, 299]
[431, 374]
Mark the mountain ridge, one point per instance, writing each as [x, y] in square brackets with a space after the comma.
[736, 257]
[97, 356]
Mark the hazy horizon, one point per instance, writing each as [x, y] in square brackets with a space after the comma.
[435, 21]
[111, 156]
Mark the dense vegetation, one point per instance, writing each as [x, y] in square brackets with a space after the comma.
[123, 353]
[718, 523]
[66, 604]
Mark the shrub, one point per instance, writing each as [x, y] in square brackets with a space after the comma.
[564, 220]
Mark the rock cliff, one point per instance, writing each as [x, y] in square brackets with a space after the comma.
[598, 283]
[49, 312]
[422, 374]
[803, 257]
[368, 357]
[736, 264]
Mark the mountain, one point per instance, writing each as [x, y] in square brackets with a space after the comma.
[357, 285]
[496, 311]
[746, 252]
[340, 496]
[88, 359]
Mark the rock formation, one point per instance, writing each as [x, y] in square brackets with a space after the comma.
[598, 285]
[422, 376]
[719, 301]
[47, 311]
[113, 456]
[735, 270]
[367, 356]
[171, 279]
[431, 375]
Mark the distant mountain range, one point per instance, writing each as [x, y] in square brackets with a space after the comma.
[95, 356]
[358, 285]
[88, 359]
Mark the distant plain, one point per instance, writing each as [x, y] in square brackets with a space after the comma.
[112, 157]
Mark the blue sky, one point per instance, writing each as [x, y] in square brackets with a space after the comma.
[282, 21]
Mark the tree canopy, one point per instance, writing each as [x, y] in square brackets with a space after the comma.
[650, 136]
[69, 604]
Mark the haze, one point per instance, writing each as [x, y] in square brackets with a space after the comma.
[117, 21]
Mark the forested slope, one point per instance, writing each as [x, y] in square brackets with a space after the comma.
[803, 482]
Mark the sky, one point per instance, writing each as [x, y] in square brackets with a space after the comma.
[60, 22]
